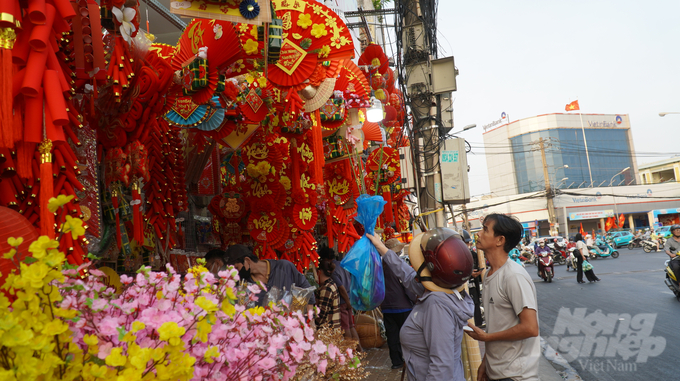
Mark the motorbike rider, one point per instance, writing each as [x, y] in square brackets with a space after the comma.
[590, 242]
[672, 248]
[655, 238]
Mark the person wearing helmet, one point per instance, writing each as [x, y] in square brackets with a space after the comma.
[672, 248]
[444, 264]
[512, 349]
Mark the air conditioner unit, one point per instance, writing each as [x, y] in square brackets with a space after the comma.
[408, 179]
[414, 37]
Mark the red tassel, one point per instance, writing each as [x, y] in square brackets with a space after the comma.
[114, 200]
[6, 117]
[46, 189]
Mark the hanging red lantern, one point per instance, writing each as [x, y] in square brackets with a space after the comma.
[377, 81]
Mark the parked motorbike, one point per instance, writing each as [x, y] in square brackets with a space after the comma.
[607, 250]
[672, 280]
[546, 269]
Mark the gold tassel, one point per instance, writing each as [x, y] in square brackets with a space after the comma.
[46, 189]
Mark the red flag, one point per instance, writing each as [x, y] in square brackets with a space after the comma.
[622, 220]
[583, 232]
[573, 106]
[609, 224]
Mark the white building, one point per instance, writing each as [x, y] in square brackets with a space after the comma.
[514, 159]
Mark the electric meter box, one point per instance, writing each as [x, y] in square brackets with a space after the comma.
[454, 170]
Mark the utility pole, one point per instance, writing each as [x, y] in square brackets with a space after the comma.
[548, 188]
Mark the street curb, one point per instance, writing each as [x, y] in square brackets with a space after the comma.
[568, 373]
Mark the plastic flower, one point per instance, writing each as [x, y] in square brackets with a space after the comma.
[324, 51]
[116, 358]
[98, 371]
[9, 254]
[73, 225]
[210, 354]
[40, 246]
[54, 203]
[124, 16]
[319, 30]
[15, 242]
[137, 326]
[34, 274]
[205, 304]
[250, 47]
[171, 332]
[253, 32]
[304, 20]
[262, 81]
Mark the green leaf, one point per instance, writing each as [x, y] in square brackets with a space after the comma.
[306, 43]
[29, 260]
[92, 257]
[88, 302]
[121, 333]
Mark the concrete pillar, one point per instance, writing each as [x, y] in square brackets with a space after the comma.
[602, 224]
[631, 222]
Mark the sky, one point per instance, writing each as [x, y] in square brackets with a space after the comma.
[528, 58]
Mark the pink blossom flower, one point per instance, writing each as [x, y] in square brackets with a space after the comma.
[319, 347]
[108, 326]
[126, 280]
[104, 350]
[322, 366]
[141, 280]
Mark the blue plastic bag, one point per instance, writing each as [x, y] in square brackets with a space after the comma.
[363, 260]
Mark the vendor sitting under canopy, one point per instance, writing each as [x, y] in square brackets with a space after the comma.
[269, 272]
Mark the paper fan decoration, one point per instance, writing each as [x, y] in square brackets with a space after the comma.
[373, 132]
[185, 113]
[387, 160]
[266, 227]
[311, 32]
[253, 49]
[304, 216]
[374, 58]
[223, 46]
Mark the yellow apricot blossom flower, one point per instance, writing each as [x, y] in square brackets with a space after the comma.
[324, 51]
[54, 203]
[73, 225]
[116, 358]
[250, 47]
[137, 326]
[15, 242]
[171, 332]
[210, 354]
[40, 246]
[304, 20]
[319, 30]
[205, 304]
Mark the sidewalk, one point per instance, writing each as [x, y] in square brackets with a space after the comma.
[378, 363]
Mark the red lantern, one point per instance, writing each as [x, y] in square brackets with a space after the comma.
[377, 81]
[13, 224]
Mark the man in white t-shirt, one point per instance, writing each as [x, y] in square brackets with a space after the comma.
[510, 305]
